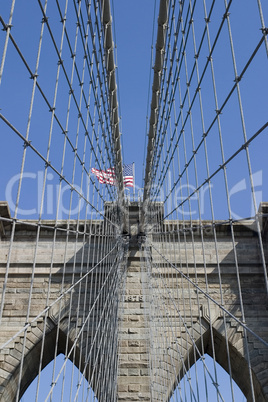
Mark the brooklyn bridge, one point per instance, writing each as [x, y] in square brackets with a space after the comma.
[116, 287]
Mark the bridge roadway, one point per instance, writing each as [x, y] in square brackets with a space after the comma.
[137, 377]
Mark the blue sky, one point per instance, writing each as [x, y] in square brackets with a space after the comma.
[134, 28]
[134, 23]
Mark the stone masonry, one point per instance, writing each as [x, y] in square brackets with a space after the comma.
[137, 370]
[134, 380]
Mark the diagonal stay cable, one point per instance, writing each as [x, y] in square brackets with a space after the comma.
[186, 329]
[29, 324]
[178, 69]
[237, 80]
[82, 328]
[33, 76]
[199, 225]
[212, 299]
[48, 163]
[216, 171]
[93, 341]
[243, 147]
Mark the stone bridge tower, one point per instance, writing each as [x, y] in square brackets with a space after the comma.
[138, 377]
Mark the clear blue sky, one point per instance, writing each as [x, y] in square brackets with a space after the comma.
[134, 23]
[134, 26]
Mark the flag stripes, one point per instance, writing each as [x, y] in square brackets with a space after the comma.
[108, 176]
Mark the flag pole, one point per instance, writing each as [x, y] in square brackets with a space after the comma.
[133, 163]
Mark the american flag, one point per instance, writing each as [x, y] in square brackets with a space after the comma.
[128, 175]
[104, 176]
[108, 176]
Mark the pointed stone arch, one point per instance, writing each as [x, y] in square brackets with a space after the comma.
[63, 313]
[70, 379]
[239, 362]
[32, 358]
[238, 358]
[202, 385]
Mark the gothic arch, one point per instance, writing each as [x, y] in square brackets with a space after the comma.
[32, 359]
[239, 364]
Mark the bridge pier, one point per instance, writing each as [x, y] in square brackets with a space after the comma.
[134, 371]
[134, 375]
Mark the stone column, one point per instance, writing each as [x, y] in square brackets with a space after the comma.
[134, 379]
